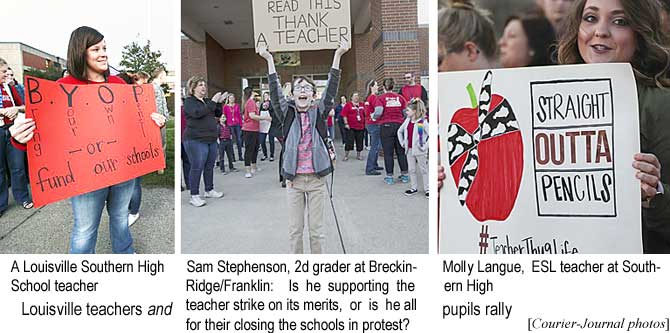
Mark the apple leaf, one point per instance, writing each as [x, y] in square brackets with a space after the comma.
[473, 97]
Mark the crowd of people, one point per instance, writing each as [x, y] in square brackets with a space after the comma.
[374, 123]
[577, 32]
[391, 122]
[87, 63]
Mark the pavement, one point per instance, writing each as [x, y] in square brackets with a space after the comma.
[47, 229]
[252, 216]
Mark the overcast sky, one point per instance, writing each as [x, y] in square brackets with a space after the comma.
[47, 25]
[423, 11]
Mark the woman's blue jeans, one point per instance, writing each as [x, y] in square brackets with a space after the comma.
[375, 146]
[202, 156]
[136, 199]
[13, 159]
[236, 132]
[87, 210]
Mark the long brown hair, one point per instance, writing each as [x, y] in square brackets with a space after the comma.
[368, 86]
[651, 60]
[80, 40]
[246, 94]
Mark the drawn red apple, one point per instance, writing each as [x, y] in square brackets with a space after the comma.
[486, 154]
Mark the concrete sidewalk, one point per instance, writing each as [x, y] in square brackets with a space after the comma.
[252, 217]
[47, 229]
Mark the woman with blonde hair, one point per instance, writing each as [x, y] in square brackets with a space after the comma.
[413, 136]
[200, 137]
[466, 38]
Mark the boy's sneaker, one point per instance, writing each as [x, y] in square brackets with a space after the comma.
[197, 201]
[373, 173]
[132, 218]
[378, 168]
[272, 159]
[234, 169]
[247, 175]
[404, 179]
[388, 180]
[213, 194]
[224, 172]
[411, 191]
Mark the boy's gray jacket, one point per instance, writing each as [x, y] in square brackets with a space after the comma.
[293, 130]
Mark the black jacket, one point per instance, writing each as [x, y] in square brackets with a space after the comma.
[201, 119]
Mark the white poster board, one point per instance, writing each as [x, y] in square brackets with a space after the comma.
[539, 160]
[295, 25]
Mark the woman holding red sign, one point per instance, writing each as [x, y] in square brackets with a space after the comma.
[87, 63]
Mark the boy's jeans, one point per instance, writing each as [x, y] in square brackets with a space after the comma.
[306, 192]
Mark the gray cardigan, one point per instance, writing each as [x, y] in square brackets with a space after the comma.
[320, 156]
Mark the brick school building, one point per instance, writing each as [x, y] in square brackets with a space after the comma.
[218, 44]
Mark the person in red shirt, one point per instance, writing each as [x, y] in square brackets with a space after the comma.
[413, 89]
[372, 167]
[11, 105]
[389, 113]
[353, 115]
[87, 64]
[250, 130]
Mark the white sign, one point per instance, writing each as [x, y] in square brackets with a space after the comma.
[294, 25]
[539, 160]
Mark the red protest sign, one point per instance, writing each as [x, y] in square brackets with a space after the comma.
[88, 137]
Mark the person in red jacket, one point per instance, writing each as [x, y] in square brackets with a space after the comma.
[353, 115]
[11, 104]
[390, 114]
[87, 64]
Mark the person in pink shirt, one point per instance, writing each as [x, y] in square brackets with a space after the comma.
[250, 130]
[234, 121]
[353, 115]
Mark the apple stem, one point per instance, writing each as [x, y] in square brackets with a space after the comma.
[473, 97]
